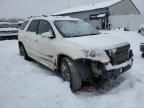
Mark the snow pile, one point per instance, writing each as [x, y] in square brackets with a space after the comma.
[26, 84]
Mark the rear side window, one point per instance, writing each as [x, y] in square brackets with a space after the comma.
[24, 25]
[44, 26]
[33, 27]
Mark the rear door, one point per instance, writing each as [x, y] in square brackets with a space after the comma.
[22, 33]
[32, 37]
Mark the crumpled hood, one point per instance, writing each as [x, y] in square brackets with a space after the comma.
[8, 29]
[101, 41]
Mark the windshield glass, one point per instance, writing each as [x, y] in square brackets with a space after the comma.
[75, 28]
[4, 26]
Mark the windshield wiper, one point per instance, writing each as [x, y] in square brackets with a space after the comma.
[87, 34]
[83, 35]
[94, 33]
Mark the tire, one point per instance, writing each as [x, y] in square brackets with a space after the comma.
[142, 55]
[69, 73]
[139, 31]
[23, 52]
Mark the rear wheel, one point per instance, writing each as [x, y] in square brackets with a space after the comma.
[139, 31]
[69, 73]
[142, 54]
[23, 52]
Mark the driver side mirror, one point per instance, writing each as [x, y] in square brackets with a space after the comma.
[48, 35]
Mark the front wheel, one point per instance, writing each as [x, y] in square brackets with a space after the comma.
[70, 73]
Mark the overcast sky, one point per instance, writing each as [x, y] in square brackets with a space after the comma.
[25, 8]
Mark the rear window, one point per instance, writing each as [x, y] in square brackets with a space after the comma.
[24, 25]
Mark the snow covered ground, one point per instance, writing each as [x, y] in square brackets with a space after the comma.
[26, 84]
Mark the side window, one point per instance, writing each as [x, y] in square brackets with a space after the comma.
[24, 25]
[33, 27]
[44, 26]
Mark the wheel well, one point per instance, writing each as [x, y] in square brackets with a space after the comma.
[82, 65]
[59, 58]
[20, 43]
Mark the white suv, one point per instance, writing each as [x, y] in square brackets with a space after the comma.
[74, 48]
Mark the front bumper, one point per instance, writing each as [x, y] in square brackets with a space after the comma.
[109, 71]
[114, 71]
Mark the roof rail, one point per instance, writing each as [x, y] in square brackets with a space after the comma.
[45, 15]
[56, 16]
[59, 16]
[33, 17]
[37, 16]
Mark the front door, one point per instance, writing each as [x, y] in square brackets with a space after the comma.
[46, 45]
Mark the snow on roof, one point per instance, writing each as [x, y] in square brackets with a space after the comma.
[89, 7]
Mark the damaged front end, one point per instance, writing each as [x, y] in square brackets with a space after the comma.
[112, 64]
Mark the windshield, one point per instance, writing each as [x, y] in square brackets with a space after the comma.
[4, 26]
[75, 28]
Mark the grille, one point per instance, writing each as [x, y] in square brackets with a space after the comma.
[120, 56]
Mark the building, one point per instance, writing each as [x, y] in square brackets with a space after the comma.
[99, 14]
